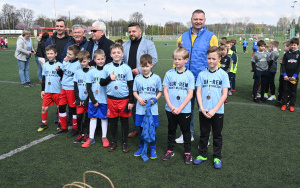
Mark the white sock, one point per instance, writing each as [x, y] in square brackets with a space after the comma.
[93, 125]
[104, 123]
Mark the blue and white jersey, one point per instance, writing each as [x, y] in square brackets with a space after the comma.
[69, 70]
[118, 88]
[245, 43]
[94, 76]
[212, 84]
[255, 48]
[147, 87]
[52, 79]
[178, 85]
[80, 77]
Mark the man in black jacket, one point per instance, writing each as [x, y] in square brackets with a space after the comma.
[99, 41]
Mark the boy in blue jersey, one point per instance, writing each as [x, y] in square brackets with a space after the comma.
[179, 85]
[245, 44]
[51, 85]
[118, 79]
[212, 87]
[80, 91]
[98, 100]
[254, 45]
[67, 92]
[146, 86]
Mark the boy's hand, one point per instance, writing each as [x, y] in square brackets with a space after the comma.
[152, 102]
[57, 68]
[130, 106]
[293, 79]
[42, 94]
[96, 105]
[204, 112]
[113, 76]
[286, 78]
[142, 101]
[176, 111]
[135, 71]
[211, 113]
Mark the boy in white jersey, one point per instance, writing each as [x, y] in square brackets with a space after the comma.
[80, 91]
[67, 92]
[98, 100]
[118, 80]
[179, 84]
[51, 85]
[212, 88]
[146, 86]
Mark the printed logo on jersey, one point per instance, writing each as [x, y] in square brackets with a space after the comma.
[180, 85]
[121, 77]
[148, 90]
[51, 73]
[212, 83]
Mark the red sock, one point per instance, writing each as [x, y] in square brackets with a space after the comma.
[75, 126]
[44, 118]
[63, 120]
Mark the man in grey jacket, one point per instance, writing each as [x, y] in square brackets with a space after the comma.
[133, 50]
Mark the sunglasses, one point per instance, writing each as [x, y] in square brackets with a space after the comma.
[94, 30]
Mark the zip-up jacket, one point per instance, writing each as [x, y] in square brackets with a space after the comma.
[291, 64]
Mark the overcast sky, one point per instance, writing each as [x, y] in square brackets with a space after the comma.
[161, 11]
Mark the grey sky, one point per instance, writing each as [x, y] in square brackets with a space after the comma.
[160, 11]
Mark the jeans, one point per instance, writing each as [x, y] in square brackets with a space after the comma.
[24, 71]
[39, 71]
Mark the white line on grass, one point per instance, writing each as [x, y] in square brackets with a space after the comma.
[12, 152]
[9, 82]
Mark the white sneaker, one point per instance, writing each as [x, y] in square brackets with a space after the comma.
[179, 140]
[229, 93]
[272, 98]
[266, 96]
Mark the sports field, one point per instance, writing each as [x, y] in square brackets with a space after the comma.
[260, 142]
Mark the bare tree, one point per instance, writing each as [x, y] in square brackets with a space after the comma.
[137, 17]
[9, 16]
[26, 16]
[43, 20]
[283, 23]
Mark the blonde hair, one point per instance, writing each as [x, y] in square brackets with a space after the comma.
[99, 52]
[181, 50]
[26, 32]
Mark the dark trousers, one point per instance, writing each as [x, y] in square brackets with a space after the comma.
[133, 113]
[216, 122]
[271, 83]
[289, 93]
[244, 49]
[232, 80]
[114, 128]
[280, 88]
[183, 119]
[259, 76]
[141, 140]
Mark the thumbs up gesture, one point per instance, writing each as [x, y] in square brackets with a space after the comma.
[113, 76]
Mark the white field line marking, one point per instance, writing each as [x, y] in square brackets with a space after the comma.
[9, 82]
[12, 152]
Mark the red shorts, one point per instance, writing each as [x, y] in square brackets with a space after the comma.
[81, 109]
[50, 98]
[116, 108]
[67, 97]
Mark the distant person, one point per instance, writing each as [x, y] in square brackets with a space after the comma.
[41, 49]
[223, 40]
[78, 39]
[24, 50]
[212, 87]
[260, 71]
[245, 44]
[273, 64]
[97, 100]
[153, 84]
[51, 85]
[233, 43]
[118, 80]
[99, 41]
[5, 43]
[59, 38]
[179, 85]
[197, 41]
[233, 68]
[35, 47]
[133, 50]
[226, 62]
[290, 72]
[254, 45]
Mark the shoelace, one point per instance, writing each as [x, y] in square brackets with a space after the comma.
[168, 152]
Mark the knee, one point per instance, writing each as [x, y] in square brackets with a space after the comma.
[44, 109]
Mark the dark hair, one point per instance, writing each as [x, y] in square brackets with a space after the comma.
[214, 49]
[223, 47]
[145, 59]
[75, 49]
[198, 11]
[51, 47]
[261, 43]
[61, 20]
[182, 50]
[45, 36]
[294, 41]
[113, 46]
[119, 41]
[275, 44]
[233, 41]
[134, 25]
[83, 55]
[287, 43]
